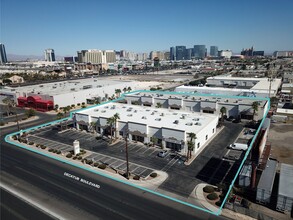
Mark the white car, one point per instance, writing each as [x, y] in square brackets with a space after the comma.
[237, 146]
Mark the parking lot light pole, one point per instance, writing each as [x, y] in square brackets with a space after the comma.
[126, 154]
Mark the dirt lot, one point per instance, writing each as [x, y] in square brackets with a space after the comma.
[281, 138]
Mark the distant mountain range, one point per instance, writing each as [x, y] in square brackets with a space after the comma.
[16, 57]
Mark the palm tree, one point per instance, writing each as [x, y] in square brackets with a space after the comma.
[223, 111]
[56, 107]
[116, 117]
[110, 122]
[190, 144]
[66, 110]
[159, 105]
[93, 126]
[129, 89]
[254, 108]
[117, 92]
[124, 89]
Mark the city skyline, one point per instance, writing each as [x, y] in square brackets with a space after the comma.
[68, 28]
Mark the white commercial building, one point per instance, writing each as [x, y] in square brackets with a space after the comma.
[259, 86]
[201, 103]
[225, 53]
[169, 128]
[71, 92]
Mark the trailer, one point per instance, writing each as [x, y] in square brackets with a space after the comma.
[245, 175]
[285, 192]
[266, 182]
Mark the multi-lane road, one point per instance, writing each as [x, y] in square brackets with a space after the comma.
[41, 181]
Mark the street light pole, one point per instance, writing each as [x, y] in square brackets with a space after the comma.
[126, 154]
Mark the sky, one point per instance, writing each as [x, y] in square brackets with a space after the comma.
[28, 27]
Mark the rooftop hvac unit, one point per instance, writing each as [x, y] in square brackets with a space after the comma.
[176, 122]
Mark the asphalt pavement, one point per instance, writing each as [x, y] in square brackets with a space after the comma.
[112, 200]
[20, 210]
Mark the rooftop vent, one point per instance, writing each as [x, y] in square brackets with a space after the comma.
[189, 124]
[103, 111]
[129, 115]
[96, 110]
[143, 117]
[135, 111]
[152, 113]
[129, 110]
[158, 119]
[176, 122]
[162, 114]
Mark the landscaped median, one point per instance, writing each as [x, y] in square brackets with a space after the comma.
[152, 181]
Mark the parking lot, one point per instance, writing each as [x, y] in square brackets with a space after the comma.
[209, 166]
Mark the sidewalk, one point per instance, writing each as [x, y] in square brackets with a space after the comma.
[198, 193]
[33, 118]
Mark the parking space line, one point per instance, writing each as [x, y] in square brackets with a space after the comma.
[140, 147]
[154, 150]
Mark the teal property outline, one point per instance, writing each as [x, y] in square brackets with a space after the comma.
[7, 139]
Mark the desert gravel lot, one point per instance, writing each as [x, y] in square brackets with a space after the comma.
[281, 138]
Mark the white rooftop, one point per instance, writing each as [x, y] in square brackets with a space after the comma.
[286, 180]
[195, 97]
[154, 117]
[63, 87]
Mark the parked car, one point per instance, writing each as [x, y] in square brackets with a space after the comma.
[162, 153]
[237, 146]
[230, 118]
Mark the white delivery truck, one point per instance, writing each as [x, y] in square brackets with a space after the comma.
[237, 146]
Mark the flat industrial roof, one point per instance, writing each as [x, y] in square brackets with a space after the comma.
[261, 83]
[267, 178]
[196, 97]
[154, 117]
[286, 180]
[64, 87]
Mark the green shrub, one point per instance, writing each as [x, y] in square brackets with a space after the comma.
[219, 203]
[79, 157]
[2, 123]
[98, 138]
[153, 175]
[14, 137]
[24, 118]
[102, 166]
[209, 189]
[43, 147]
[90, 162]
[31, 143]
[96, 164]
[213, 196]
[58, 151]
[54, 151]
[69, 155]
[74, 158]
[38, 145]
[24, 141]
[50, 150]
[136, 177]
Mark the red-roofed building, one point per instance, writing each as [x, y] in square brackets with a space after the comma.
[35, 102]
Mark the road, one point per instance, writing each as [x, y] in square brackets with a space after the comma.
[21, 210]
[42, 180]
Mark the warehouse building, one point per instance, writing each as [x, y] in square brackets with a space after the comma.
[211, 104]
[166, 127]
[236, 86]
[44, 97]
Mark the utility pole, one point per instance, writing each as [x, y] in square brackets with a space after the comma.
[126, 154]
